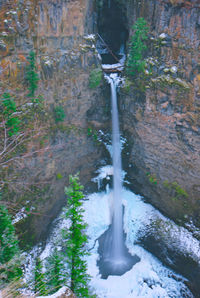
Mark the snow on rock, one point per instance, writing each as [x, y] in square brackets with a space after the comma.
[103, 173]
[91, 37]
[19, 216]
[174, 69]
[63, 292]
[162, 36]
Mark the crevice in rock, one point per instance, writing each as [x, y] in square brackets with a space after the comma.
[112, 30]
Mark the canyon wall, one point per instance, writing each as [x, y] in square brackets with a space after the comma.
[160, 112]
[58, 32]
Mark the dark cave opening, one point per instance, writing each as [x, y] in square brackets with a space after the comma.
[112, 31]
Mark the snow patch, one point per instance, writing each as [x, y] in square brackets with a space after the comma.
[91, 37]
[19, 216]
[63, 291]
[162, 36]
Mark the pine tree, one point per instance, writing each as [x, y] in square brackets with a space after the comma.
[39, 280]
[135, 62]
[76, 239]
[8, 241]
[31, 75]
[54, 275]
[9, 108]
[10, 267]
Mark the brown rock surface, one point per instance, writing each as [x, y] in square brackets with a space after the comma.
[162, 125]
[56, 31]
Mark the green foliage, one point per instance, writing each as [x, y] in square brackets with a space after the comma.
[8, 241]
[59, 176]
[92, 133]
[59, 114]
[39, 279]
[135, 62]
[95, 78]
[127, 85]
[12, 121]
[39, 101]
[9, 260]
[76, 239]
[152, 178]
[11, 270]
[176, 188]
[9, 104]
[89, 131]
[54, 275]
[31, 74]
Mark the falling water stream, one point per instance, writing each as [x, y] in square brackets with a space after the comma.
[117, 248]
[115, 258]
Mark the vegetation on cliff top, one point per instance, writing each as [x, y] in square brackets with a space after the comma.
[136, 63]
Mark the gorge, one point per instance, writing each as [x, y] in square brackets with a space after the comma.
[159, 121]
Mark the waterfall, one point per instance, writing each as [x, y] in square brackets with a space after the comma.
[117, 248]
[114, 256]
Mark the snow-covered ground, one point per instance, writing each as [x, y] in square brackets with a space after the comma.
[148, 278]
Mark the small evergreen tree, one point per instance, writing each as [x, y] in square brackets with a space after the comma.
[31, 74]
[39, 279]
[59, 114]
[9, 261]
[54, 275]
[12, 121]
[76, 239]
[135, 62]
[8, 241]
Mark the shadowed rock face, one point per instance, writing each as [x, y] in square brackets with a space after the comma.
[162, 123]
[112, 25]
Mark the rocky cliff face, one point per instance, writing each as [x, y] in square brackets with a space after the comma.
[160, 114]
[58, 32]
